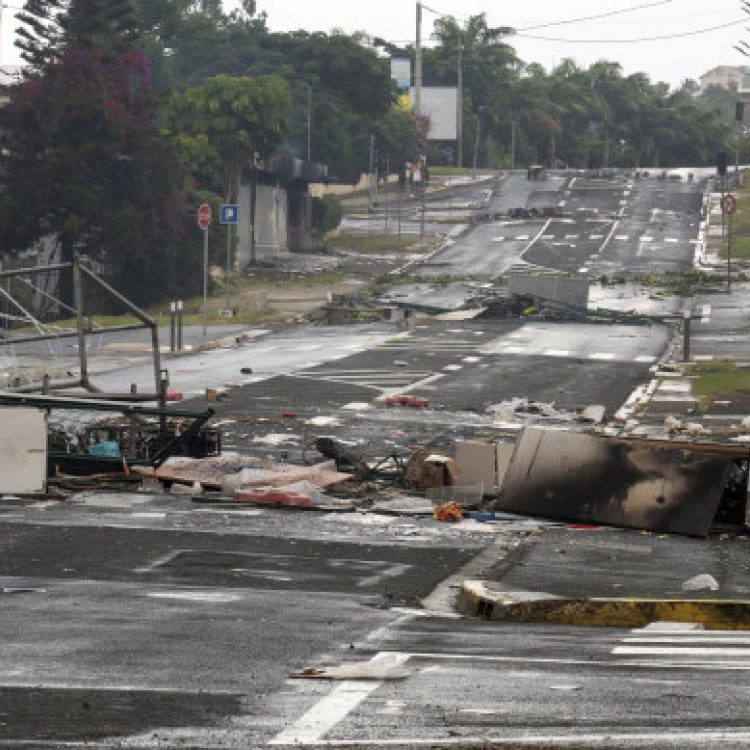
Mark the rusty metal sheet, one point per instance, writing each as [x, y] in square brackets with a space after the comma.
[590, 479]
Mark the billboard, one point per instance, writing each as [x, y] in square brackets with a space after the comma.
[441, 106]
[401, 72]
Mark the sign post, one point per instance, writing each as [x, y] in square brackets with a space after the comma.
[228, 215]
[728, 207]
[204, 222]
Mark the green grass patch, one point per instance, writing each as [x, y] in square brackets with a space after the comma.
[446, 171]
[740, 248]
[682, 284]
[369, 244]
[718, 378]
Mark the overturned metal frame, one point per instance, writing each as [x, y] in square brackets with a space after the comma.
[198, 421]
[80, 272]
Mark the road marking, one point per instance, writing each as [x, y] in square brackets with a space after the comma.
[645, 238]
[694, 646]
[622, 237]
[498, 239]
[547, 237]
[645, 359]
[572, 236]
[522, 237]
[672, 240]
[513, 350]
[583, 270]
[334, 708]
[471, 360]
[556, 353]
[706, 314]
[672, 736]
[680, 651]
[596, 237]
[453, 368]
[603, 356]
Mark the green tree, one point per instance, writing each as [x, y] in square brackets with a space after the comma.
[85, 162]
[49, 28]
[225, 121]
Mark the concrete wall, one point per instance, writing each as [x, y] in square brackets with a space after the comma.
[271, 224]
[551, 288]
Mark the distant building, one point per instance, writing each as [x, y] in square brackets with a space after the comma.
[724, 76]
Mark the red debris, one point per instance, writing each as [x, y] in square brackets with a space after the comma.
[273, 497]
[173, 394]
[414, 402]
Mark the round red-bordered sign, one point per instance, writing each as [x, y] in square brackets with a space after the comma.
[204, 216]
[729, 204]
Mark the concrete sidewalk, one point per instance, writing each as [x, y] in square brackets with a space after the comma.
[597, 576]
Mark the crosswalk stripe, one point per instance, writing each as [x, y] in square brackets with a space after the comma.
[672, 644]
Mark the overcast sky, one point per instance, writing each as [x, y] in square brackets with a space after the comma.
[613, 38]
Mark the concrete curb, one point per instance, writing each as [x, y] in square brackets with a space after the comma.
[477, 599]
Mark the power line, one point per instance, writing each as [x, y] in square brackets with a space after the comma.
[598, 16]
[665, 37]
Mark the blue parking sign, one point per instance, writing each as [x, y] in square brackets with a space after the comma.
[228, 213]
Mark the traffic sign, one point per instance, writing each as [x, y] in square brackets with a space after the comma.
[204, 216]
[729, 204]
[228, 213]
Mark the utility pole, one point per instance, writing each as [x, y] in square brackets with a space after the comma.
[418, 63]
[373, 179]
[513, 144]
[460, 108]
[309, 123]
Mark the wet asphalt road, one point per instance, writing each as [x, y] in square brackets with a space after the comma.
[154, 623]
[614, 225]
[150, 623]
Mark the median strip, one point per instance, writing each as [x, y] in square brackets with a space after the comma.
[477, 599]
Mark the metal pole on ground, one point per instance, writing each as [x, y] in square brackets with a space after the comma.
[205, 281]
[729, 256]
[172, 315]
[229, 263]
[424, 208]
[179, 325]
[387, 173]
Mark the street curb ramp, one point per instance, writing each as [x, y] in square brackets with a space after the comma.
[479, 600]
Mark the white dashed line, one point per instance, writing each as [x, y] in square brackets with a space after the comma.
[602, 356]
[622, 237]
[556, 353]
[523, 237]
[644, 238]
[453, 368]
[672, 240]
[645, 360]
[498, 239]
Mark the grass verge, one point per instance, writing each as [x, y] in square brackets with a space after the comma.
[719, 378]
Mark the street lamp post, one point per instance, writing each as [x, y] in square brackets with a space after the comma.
[476, 139]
